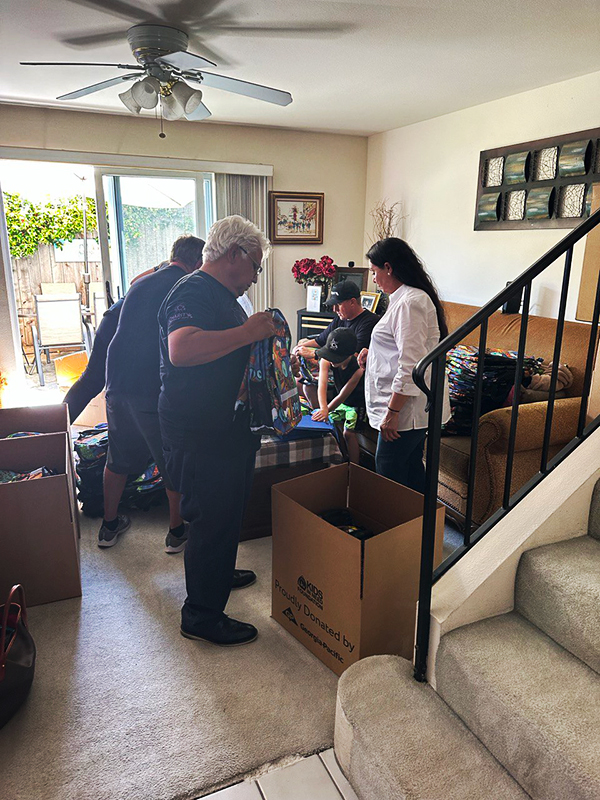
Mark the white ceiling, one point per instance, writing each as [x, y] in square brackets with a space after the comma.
[376, 65]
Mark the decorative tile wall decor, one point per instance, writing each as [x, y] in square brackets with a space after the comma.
[541, 184]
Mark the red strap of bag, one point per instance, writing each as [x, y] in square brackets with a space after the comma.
[16, 589]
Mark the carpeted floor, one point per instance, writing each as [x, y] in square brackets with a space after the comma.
[124, 708]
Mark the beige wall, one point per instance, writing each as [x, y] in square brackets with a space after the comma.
[329, 163]
[432, 169]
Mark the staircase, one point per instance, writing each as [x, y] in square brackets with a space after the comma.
[517, 709]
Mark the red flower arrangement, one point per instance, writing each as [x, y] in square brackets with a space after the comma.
[310, 272]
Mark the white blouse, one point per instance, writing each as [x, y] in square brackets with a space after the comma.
[407, 331]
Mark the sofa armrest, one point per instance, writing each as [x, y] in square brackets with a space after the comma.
[494, 427]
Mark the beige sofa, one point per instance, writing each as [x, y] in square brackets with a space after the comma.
[494, 427]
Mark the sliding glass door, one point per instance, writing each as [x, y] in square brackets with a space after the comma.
[145, 214]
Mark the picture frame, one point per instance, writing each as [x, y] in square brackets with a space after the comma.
[358, 275]
[296, 217]
[313, 298]
[369, 300]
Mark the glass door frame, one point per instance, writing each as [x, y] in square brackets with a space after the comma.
[112, 270]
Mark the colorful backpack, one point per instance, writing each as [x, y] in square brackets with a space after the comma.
[272, 390]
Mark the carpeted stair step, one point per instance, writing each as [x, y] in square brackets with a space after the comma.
[533, 705]
[558, 590]
[395, 739]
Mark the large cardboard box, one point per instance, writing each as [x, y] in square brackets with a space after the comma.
[39, 419]
[39, 521]
[94, 413]
[343, 598]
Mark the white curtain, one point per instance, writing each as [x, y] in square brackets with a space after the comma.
[248, 195]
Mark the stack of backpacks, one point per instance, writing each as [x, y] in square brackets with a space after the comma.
[141, 491]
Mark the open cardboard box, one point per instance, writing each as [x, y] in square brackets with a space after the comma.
[39, 524]
[343, 598]
[38, 419]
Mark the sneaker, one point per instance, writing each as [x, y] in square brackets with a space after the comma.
[107, 538]
[226, 633]
[243, 578]
[175, 544]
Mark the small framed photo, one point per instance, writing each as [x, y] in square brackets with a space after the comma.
[313, 298]
[369, 300]
[296, 217]
[358, 275]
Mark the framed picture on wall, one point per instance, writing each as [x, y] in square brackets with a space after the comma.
[369, 300]
[358, 275]
[296, 217]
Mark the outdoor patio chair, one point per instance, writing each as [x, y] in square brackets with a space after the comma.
[59, 324]
[58, 288]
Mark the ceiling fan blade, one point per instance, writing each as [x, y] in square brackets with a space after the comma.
[117, 8]
[237, 86]
[285, 30]
[96, 87]
[103, 37]
[184, 61]
[78, 64]
[200, 113]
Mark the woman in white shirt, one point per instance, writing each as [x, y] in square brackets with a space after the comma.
[412, 325]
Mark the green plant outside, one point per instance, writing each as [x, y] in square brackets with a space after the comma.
[31, 225]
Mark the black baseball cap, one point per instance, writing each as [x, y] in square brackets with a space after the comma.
[342, 291]
[341, 344]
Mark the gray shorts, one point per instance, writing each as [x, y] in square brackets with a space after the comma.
[133, 437]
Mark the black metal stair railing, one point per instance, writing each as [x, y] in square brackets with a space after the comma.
[429, 375]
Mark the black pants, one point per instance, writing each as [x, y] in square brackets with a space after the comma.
[402, 459]
[215, 486]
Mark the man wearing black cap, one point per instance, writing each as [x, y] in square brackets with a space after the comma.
[345, 301]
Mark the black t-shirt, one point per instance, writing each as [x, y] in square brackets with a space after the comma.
[133, 361]
[341, 376]
[362, 326]
[197, 404]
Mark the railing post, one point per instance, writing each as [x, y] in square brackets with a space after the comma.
[560, 325]
[589, 364]
[475, 431]
[429, 515]
[512, 436]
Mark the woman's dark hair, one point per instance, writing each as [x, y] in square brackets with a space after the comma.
[188, 250]
[408, 269]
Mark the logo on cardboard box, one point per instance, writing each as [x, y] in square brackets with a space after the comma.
[290, 615]
[310, 591]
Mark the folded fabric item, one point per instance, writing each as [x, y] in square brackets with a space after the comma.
[9, 476]
[541, 382]
[19, 434]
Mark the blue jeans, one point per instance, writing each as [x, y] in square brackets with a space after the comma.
[402, 459]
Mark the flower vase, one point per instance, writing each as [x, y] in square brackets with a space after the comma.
[324, 295]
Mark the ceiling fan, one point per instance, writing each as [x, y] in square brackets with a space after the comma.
[163, 68]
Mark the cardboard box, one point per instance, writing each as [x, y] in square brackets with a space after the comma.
[39, 419]
[343, 598]
[94, 413]
[39, 521]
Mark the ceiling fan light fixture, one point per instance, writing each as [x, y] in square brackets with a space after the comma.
[145, 92]
[189, 99]
[171, 107]
[130, 102]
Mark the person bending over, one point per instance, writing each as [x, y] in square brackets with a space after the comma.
[132, 389]
[348, 406]
[345, 302]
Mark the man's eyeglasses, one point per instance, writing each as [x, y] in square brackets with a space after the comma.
[257, 267]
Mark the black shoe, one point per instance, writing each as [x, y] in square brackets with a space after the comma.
[226, 633]
[243, 578]
[108, 538]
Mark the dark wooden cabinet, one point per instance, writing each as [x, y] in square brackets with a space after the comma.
[311, 323]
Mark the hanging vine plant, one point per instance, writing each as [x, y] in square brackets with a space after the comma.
[31, 225]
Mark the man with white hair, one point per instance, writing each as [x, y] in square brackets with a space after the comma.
[205, 339]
